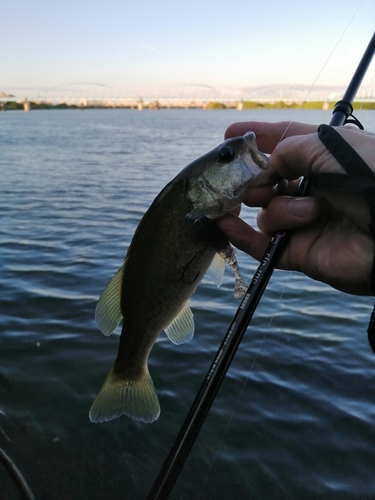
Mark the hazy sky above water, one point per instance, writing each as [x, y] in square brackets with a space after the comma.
[140, 46]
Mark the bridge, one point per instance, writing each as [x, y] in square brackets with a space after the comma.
[187, 95]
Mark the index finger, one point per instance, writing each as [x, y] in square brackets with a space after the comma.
[268, 135]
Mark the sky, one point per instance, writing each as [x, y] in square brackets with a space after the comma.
[141, 47]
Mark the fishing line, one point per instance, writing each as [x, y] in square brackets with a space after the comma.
[247, 376]
[236, 330]
[246, 380]
[322, 68]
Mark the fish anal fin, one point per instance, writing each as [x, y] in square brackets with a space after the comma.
[108, 309]
[134, 398]
[182, 327]
[216, 269]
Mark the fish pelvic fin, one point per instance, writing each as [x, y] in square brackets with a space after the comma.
[135, 398]
[182, 327]
[216, 269]
[108, 309]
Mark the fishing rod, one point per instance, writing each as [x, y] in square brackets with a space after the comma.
[195, 418]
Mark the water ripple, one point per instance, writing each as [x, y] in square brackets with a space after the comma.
[294, 418]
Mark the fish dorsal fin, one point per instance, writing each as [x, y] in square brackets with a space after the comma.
[216, 269]
[182, 327]
[108, 309]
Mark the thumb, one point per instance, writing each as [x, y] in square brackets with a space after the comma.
[302, 155]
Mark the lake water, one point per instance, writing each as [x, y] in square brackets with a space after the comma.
[295, 417]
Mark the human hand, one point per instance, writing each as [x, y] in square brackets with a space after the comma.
[330, 239]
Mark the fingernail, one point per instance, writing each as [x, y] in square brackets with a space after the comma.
[300, 207]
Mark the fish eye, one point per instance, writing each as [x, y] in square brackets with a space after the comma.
[225, 154]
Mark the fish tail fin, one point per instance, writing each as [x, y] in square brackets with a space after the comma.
[118, 396]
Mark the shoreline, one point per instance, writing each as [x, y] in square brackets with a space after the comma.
[155, 105]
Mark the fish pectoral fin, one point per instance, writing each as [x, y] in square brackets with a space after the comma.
[135, 398]
[108, 309]
[216, 269]
[182, 327]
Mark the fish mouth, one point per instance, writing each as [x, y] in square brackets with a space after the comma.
[257, 163]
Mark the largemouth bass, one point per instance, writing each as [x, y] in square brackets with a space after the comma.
[175, 244]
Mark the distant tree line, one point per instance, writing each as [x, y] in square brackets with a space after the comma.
[12, 105]
[286, 105]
